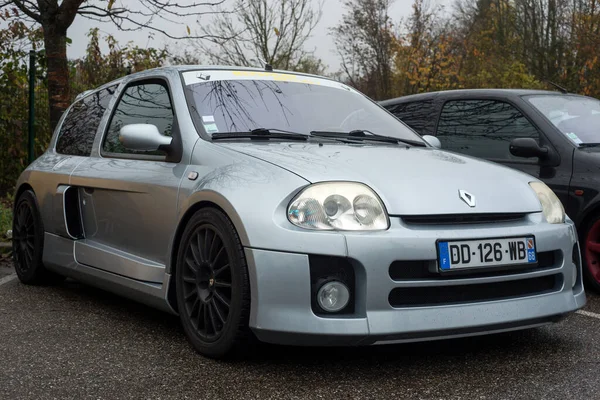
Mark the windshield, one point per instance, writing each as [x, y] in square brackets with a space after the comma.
[577, 117]
[241, 101]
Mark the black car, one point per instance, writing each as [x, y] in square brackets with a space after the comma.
[554, 136]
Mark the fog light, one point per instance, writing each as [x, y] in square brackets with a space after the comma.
[333, 296]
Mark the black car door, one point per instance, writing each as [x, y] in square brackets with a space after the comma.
[484, 127]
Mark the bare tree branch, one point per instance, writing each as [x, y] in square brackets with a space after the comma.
[26, 7]
[271, 31]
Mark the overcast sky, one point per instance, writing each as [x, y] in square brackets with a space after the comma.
[321, 41]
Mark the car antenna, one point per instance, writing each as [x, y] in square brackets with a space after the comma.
[268, 67]
[556, 85]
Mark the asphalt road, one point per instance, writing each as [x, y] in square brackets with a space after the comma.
[73, 341]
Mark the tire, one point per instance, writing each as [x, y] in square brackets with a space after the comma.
[28, 242]
[591, 253]
[213, 291]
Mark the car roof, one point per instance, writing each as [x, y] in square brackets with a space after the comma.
[470, 92]
[184, 68]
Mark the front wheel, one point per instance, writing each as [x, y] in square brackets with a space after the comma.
[213, 291]
[591, 253]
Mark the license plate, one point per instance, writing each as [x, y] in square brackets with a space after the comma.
[486, 253]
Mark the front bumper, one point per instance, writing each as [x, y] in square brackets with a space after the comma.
[281, 290]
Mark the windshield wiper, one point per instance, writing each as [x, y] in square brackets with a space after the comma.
[362, 134]
[589, 144]
[261, 134]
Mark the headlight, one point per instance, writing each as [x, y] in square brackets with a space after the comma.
[551, 206]
[344, 206]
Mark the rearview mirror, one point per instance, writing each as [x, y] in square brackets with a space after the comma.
[143, 137]
[527, 147]
[433, 141]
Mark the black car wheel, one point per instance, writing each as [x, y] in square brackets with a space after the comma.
[213, 291]
[591, 254]
[28, 242]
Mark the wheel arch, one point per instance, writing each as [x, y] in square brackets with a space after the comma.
[20, 189]
[198, 201]
[592, 210]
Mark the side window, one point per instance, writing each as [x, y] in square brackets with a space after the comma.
[482, 128]
[144, 103]
[419, 115]
[79, 127]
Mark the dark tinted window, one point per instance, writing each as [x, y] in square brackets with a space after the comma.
[419, 115]
[79, 127]
[482, 128]
[146, 103]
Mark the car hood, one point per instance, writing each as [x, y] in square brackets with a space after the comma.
[410, 181]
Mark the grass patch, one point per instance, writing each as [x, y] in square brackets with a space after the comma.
[5, 218]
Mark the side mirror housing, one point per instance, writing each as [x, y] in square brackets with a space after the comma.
[143, 137]
[527, 147]
[433, 141]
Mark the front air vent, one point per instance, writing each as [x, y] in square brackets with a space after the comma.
[417, 270]
[454, 219]
[428, 296]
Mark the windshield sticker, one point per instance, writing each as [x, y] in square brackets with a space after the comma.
[574, 138]
[195, 77]
[208, 118]
[211, 128]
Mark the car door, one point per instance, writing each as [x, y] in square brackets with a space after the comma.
[76, 133]
[484, 128]
[128, 199]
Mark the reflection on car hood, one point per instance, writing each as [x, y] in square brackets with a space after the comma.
[410, 181]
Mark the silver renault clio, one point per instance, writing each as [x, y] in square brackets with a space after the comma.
[289, 208]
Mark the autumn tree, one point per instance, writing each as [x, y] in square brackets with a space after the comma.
[56, 17]
[491, 54]
[16, 38]
[426, 57]
[365, 42]
[96, 68]
[264, 31]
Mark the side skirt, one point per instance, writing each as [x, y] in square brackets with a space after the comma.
[59, 256]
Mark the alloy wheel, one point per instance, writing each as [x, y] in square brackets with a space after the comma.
[592, 251]
[24, 237]
[207, 283]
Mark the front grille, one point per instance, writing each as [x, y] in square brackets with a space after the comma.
[464, 294]
[427, 270]
[451, 219]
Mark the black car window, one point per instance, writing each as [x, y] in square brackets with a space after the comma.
[145, 103]
[482, 128]
[419, 115]
[79, 126]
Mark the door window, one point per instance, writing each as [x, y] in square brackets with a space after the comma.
[144, 103]
[419, 115]
[483, 128]
[79, 126]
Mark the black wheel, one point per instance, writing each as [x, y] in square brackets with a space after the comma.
[213, 292]
[591, 253]
[28, 242]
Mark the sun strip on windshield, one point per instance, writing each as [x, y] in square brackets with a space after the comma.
[204, 76]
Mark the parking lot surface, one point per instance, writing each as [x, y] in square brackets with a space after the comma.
[73, 341]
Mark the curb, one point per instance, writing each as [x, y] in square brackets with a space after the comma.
[5, 245]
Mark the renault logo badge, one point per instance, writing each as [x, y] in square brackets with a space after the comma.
[467, 197]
